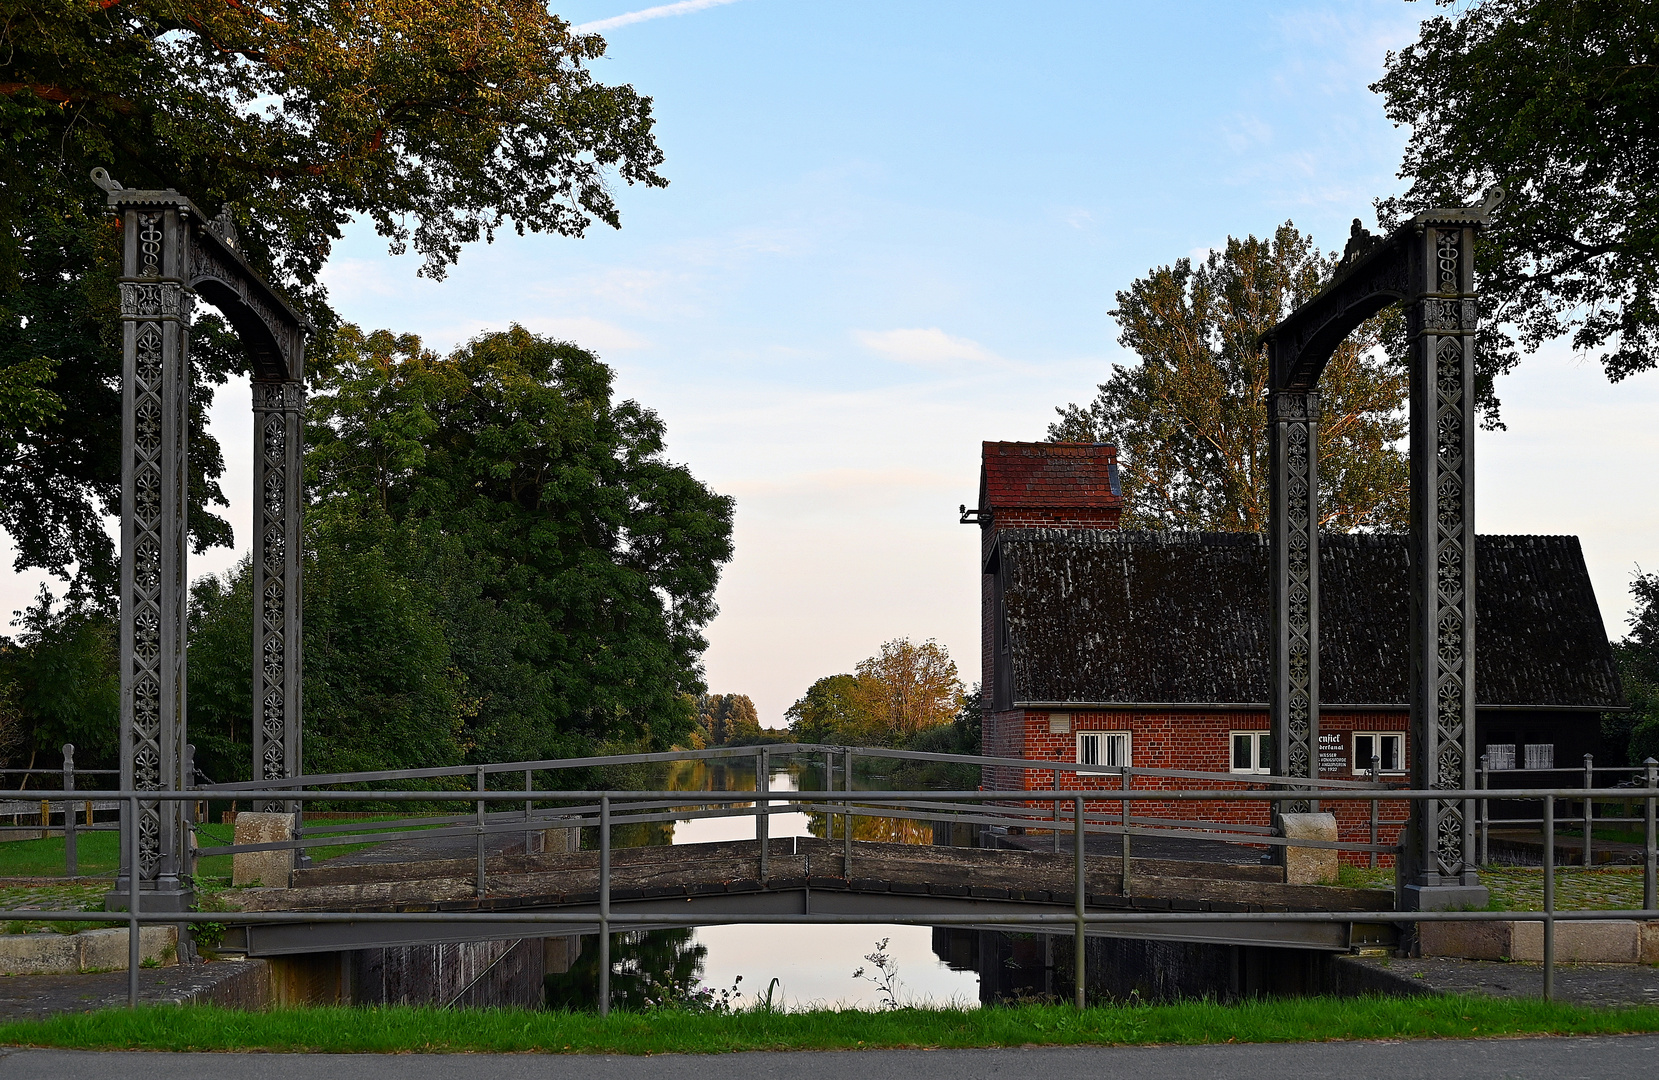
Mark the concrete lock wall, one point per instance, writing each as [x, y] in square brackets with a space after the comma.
[472, 974]
[1013, 967]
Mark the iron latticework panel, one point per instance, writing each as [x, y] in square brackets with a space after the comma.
[1442, 324]
[1294, 540]
[155, 315]
[278, 449]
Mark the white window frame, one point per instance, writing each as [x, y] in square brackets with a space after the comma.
[1100, 746]
[1364, 768]
[1260, 748]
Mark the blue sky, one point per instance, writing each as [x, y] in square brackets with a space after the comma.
[894, 230]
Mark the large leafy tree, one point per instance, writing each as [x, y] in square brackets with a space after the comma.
[571, 564]
[381, 687]
[1190, 419]
[60, 683]
[1555, 100]
[439, 121]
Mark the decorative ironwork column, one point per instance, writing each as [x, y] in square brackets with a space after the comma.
[1440, 866]
[1428, 264]
[156, 306]
[1293, 539]
[279, 438]
[171, 255]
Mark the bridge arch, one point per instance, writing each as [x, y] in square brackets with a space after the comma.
[1427, 264]
[172, 254]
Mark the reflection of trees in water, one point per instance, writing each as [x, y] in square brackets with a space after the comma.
[736, 775]
[649, 969]
[879, 830]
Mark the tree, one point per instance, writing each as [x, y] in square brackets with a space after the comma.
[440, 122]
[725, 719]
[903, 691]
[828, 712]
[60, 682]
[907, 688]
[572, 565]
[1553, 99]
[1190, 419]
[1635, 735]
[381, 690]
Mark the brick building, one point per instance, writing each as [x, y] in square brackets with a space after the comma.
[1151, 649]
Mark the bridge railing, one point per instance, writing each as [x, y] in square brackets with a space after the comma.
[602, 807]
[840, 764]
[1614, 785]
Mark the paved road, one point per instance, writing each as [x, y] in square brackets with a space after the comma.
[1467, 1059]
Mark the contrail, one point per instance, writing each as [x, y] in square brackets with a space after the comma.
[661, 11]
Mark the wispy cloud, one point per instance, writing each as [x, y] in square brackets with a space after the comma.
[661, 11]
[927, 347]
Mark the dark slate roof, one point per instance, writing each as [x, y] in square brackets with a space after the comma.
[1049, 474]
[1173, 618]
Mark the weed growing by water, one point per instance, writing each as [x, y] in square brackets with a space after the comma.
[885, 976]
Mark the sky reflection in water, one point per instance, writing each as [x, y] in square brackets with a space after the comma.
[814, 964]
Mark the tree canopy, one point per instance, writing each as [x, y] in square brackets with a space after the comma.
[1190, 419]
[904, 691]
[503, 564]
[726, 719]
[441, 122]
[1555, 100]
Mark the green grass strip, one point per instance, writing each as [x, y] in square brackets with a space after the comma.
[431, 1030]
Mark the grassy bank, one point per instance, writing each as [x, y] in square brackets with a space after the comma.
[98, 854]
[429, 1030]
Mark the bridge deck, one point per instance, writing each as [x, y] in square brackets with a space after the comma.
[721, 880]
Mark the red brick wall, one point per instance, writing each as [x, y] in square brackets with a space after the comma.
[1195, 741]
[1056, 517]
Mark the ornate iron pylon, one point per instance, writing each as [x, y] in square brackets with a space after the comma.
[1428, 263]
[1293, 458]
[172, 254]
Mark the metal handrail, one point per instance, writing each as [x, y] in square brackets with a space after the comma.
[854, 803]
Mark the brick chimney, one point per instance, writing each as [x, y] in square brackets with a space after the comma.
[1054, 485]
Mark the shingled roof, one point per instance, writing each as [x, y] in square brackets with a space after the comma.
[1045, 475]
[1182, 618]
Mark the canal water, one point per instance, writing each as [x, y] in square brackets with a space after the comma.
[812, 964]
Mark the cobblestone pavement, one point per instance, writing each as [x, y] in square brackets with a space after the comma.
[1580, 984]
[1521, 888]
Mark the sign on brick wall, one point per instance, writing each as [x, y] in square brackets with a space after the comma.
[1333, 752]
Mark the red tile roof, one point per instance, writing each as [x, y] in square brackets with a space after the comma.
[1049, 474]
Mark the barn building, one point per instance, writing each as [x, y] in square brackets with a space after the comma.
[1102, 647]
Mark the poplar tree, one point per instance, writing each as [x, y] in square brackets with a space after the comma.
[1189, 418]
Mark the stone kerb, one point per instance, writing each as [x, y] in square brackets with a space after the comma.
[1612, 941]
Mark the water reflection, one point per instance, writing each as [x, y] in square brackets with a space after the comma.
[813, 964]
[794, 776]
[650, 969]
